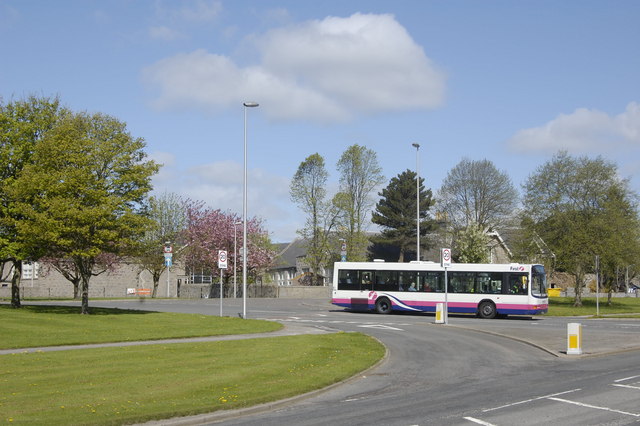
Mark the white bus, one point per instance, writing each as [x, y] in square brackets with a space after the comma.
[487, 290]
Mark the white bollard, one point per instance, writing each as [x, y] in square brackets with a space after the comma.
[440, 313]
[574, 338]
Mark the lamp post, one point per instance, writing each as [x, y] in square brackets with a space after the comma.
[244, 214]
[235, 256]
[417, 147]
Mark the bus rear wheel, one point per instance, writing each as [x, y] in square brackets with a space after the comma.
[487, 310]
[383, 305]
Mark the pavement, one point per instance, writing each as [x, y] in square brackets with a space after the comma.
[601, 336]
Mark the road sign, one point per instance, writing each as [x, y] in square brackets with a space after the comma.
[446, 257]
[222, 259]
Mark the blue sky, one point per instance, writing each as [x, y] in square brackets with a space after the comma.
[510, 81]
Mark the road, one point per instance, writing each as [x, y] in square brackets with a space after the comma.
[455, 374]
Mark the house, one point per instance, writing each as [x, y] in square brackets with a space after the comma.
[290, 268]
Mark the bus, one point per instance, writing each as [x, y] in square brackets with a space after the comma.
[487, 290]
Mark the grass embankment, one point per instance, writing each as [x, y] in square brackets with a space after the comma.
[139, 383]
[626, 307]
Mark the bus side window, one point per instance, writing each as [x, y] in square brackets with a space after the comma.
[347, 280]
[518, 283]
[366, 280]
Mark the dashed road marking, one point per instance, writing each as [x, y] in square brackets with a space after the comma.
[478, 421]
[582, 404]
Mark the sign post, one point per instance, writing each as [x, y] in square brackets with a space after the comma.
[222, 264]
[168, 262]
[445, 258]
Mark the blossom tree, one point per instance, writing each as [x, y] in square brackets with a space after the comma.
[210, 230]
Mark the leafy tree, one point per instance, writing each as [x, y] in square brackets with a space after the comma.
[471, 245]
[476, 192]
[168, 214]
[360, 174]
[83, 192]
[308, 190]
[23, 124]
[210, 230]
[581, 208]
[395, 212]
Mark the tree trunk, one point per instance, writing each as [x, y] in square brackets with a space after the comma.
[85, 296]
[15, 284]
[579, 283]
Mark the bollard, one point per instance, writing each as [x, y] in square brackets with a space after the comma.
[574, 338]
[440, 313]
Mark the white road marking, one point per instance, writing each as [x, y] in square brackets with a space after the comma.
[478, 421]
[626, 378]
[529, 400]
[581, 404]
[626, 386]
[383, 327]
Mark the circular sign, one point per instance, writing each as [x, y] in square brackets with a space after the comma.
[222, 256]
[446, 255]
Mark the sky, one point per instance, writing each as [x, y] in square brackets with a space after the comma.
[513, 82]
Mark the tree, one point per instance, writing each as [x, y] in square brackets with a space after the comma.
[209, 230]
[581, 208]
[360, 174]
[168, 214]
[23, 125]
[83, 193]
[395, 212]
[476, 192]
[308, 190]
[471, 245]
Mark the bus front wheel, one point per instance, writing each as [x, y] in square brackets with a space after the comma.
[383, 306]
[487, 310]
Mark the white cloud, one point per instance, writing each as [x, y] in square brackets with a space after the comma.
[583, 131]
[191, 10]
[220, 185]
[165, 33]
[328, 70]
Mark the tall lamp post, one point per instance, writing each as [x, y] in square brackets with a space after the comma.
[244, 214]
[235, 256]
[417, 147]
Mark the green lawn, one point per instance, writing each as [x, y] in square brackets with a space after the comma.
[627, 307]
[132, 384]
[36, 325]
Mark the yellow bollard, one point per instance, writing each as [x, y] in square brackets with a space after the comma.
[440, 313]
[574, 338]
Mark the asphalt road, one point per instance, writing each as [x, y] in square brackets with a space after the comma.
[472, 371]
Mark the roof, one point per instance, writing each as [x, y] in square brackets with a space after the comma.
[289, 252]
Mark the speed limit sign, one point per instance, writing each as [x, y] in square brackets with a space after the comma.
[222, 259]
[446, 257]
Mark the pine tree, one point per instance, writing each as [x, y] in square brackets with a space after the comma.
[396, 214]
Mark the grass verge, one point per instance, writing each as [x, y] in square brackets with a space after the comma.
[35, 326]
[141, 383]
[625, 307]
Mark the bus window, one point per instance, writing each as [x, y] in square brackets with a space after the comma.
[366, 280]
[348, 280]
[433, 281]
[518, 283]
[489, 282]
[405, 281]
[539, 281]
[386, 281]
[462, 282]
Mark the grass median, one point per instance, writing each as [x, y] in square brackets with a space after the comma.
[627, 307]
[118, 385]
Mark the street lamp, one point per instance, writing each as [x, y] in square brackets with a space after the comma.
[417, 147]
[244, 214]
[235, 256]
